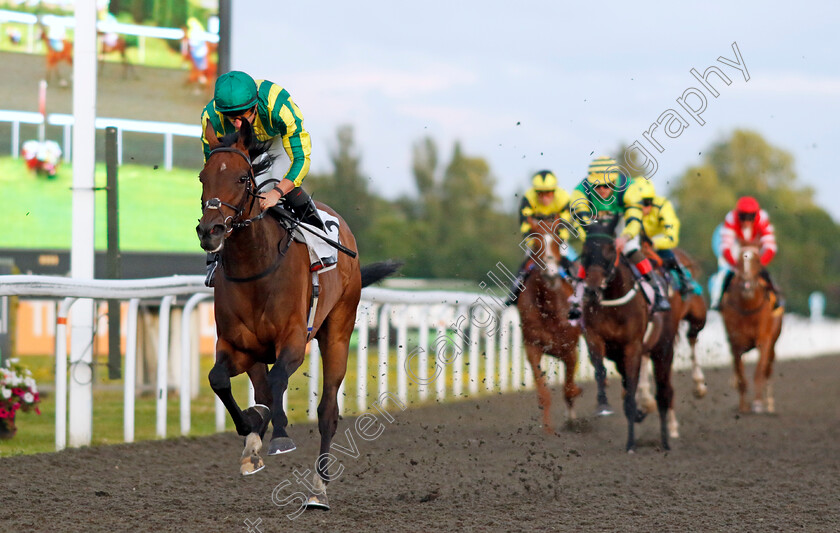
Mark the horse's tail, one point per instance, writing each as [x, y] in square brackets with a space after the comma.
[377, 271]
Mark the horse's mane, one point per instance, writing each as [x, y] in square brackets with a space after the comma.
[256, 149]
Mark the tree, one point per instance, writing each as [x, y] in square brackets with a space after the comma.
[807, 237]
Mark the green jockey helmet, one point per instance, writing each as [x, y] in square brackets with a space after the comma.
[235, 91]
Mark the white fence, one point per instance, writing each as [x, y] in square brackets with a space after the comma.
[167, 129]
[474, 342]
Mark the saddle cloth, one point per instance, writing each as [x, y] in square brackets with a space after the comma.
[322, 255]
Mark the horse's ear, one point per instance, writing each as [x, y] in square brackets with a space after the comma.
[210, 136]
[246, 134]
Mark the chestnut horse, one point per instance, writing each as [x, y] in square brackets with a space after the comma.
[120, 46]
[751, 321]
[56, 56]
[262, 300]
[692, 310]
[618, 325]
[204, 74]
[543, 308]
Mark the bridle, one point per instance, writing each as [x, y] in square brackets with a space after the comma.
[232, 222]
[611, 271]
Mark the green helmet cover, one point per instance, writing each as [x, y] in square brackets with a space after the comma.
[235, 91]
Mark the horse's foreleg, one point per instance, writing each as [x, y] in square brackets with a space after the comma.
[219, 378]
[570, 388]
[543, 394]
[278, 379]
[262, 393]
[762, 375]
[740, 380]
[596, 357]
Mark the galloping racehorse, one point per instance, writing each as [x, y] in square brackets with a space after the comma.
[751, 322]
[57, 51]
[543, 307]
[112, 43]
[618, 325]
[693, 311]
[263, 298]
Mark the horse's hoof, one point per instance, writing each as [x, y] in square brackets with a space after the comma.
[666, 446]
[281, 445]
[700, 391]
[640, 415]
[631, 451]
[318, 501]
[604, 410]
[757, 407]
[251, 465]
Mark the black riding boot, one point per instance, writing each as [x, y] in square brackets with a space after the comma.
[568, 267]
[780, 300]
[518, 284]
[660, 291]
[717, 299]
[212, 264]
[683, 275]
[302, 206]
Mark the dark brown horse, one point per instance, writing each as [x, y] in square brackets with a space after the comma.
[262, 300]
[692, 310]
[543, 307]
[751, 322]
[617, 325]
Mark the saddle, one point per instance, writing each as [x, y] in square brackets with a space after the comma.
[323, 255]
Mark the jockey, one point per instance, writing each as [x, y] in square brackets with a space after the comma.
[654, 216]
[275, 117]
[544, 200]
[750, 224]
[600, 196]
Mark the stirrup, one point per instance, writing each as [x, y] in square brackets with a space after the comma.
[574, 313]
[209, 281]
[661, 304]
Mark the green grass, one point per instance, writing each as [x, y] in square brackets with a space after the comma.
[158, 209]
[36, 434]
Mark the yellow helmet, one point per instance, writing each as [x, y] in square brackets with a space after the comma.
[639, 189]
[544, 180]
[603, 170]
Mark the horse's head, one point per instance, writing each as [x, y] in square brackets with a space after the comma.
[599, 260]
[228, 186]
[545, 245]
[749, 268]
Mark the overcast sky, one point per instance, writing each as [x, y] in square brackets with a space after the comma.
[533, 85]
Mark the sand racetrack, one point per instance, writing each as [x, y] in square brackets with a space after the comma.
[477, 465]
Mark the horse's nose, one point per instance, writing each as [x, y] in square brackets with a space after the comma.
[210, 235]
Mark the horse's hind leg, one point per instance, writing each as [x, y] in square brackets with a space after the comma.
[663, 359]
[696, 322]
[645, 399]
[335, 341]
[278, 379]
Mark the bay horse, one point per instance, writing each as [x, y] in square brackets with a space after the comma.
[751, 322]
[543, 308]
[692, 310]
[262, 301]
[618, 325]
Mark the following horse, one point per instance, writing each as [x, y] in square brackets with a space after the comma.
[543, 308]
[752, 320]
[263, 299]
[617, 324]
[692, 310]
